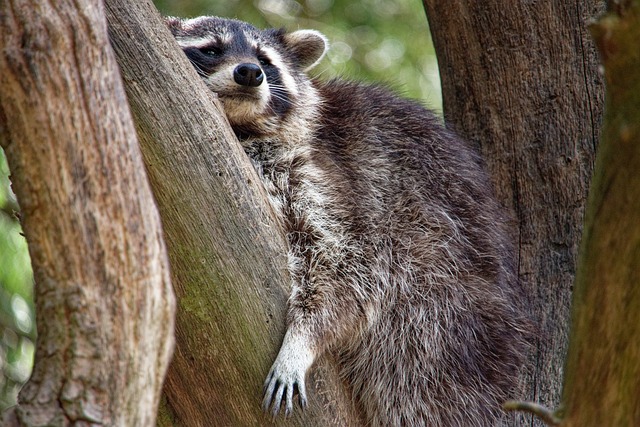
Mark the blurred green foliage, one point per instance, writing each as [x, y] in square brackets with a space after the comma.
[371, 40]
[17, 325]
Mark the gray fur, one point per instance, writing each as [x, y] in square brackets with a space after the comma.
[399, 255]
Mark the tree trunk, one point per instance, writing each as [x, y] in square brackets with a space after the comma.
[103, 294]
[226, 250]
[521, 79]
[602, 383]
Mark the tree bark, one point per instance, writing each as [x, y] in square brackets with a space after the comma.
[226, 250]
[521, 79]
[602, 380]
[104, 301]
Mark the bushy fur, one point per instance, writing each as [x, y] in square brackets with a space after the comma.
[400, 260]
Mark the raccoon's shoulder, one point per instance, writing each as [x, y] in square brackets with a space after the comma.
[367, 126]
[351, 109]
[359, 116]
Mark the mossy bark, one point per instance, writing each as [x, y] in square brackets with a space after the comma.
[227, 253]
[602, 385]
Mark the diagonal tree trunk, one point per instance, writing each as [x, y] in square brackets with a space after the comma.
[104, 301]
[521, 79]
[226, 251]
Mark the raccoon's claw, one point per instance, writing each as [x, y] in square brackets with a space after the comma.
[287, 375]
[280, 387]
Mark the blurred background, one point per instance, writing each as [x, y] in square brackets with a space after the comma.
[383, 41]
[17, 326]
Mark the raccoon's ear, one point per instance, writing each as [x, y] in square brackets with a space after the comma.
[307, 46]
[174, 24]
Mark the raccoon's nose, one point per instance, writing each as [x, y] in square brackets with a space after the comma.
[248, 75]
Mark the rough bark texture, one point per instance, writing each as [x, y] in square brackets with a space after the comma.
[227, 253]
[103, 294]
[602, 386]
[521, 79]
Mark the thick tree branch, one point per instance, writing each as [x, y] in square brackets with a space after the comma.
[226, 251]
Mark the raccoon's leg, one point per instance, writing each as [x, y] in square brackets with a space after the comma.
[333, 288]
[325, 307]
[297, 352]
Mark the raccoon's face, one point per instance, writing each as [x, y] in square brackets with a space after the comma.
[258, 75]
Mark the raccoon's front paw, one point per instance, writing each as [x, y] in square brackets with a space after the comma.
[288, 375]
[280, 385]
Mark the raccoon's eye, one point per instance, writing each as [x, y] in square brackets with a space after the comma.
[263, 60]
[210, 50]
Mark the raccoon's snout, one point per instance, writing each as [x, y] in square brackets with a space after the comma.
[248, 75]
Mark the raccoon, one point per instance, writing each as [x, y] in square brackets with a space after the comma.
[399, 255]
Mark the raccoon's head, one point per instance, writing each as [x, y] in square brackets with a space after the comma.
[259, 75]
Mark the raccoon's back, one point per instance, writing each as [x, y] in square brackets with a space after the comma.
[386, 153]
[364, 127]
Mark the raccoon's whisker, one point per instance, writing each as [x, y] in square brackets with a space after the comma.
[199, 69]
[283, 97]
[319, 74]
[278, 88]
